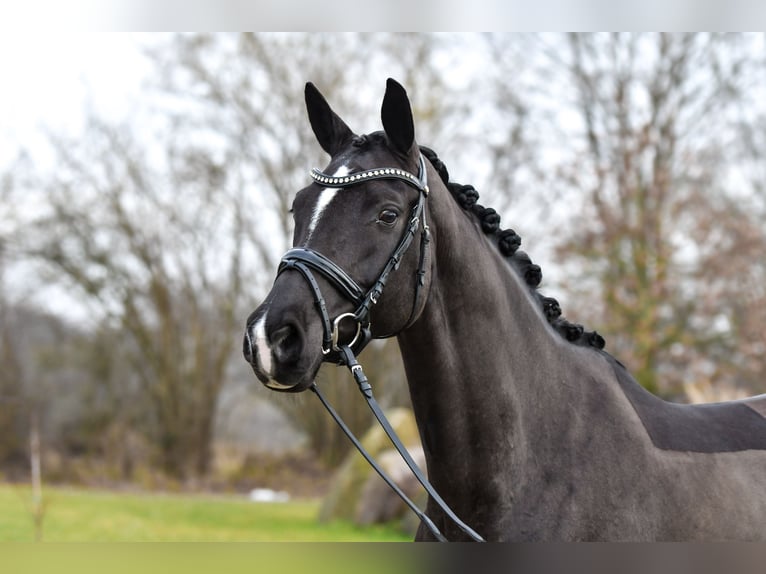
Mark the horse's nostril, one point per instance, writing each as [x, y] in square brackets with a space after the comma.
[287, 344]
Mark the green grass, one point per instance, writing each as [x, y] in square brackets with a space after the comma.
[76, 515]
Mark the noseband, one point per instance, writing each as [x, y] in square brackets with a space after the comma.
[306, 261]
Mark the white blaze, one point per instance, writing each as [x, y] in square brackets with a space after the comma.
[327, 195]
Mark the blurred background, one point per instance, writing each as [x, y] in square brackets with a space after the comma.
[145, 182]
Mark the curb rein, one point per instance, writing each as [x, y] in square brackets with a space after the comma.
[305, 260]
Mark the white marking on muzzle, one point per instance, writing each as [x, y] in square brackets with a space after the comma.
[327, 195]
[263, 356]
[262, 348]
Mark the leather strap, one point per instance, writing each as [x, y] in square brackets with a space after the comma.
[318, 299]
[371, 461]
[349, 359]
[318, 262]
[304, 260]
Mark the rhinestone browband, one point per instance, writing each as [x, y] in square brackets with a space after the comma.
[370, 174]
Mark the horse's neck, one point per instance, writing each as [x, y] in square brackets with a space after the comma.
[485, 372]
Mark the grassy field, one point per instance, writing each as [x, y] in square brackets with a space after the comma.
[74, 515]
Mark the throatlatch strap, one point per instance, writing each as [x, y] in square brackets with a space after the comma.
[349, 359]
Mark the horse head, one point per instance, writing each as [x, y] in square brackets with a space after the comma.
[354, 225]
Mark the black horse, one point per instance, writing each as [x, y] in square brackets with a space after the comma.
[531, 431]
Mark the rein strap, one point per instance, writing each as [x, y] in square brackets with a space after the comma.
[349, 359]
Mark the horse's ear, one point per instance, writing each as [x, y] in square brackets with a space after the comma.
[331, 131]
[396, 114]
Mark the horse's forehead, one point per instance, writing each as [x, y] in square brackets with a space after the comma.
[366, 152]
[363, 152]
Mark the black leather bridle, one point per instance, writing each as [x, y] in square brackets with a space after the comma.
[307, 261]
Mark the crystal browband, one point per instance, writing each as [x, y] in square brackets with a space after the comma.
[370, 174]
[386, 173]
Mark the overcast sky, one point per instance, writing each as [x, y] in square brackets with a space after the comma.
[48, 77]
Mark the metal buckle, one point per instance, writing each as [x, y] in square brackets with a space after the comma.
[335, 329]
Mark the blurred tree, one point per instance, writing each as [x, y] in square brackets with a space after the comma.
[735, 278]
[11, 391]
[647, 118]
[17, 399]
[158, 255]
[729, 287]
[513, 134]
[39, 388]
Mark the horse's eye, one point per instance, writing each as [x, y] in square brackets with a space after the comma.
[387, 217]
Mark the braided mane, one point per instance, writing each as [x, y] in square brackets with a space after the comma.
[508, 242]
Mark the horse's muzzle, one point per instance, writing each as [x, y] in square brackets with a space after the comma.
[275, 346]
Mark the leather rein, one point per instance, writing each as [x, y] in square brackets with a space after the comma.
[306, 261]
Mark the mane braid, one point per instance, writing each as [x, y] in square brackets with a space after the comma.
[508, 242]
